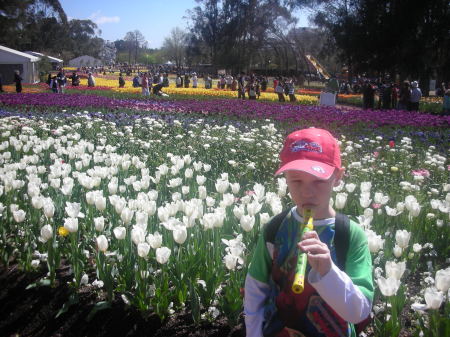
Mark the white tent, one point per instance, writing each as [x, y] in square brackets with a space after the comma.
[56, 63]
[85, 61]
[11, 60]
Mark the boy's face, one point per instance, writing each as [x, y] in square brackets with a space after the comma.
[310, 192]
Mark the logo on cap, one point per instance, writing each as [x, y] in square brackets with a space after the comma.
[318, 169]
[303, 145]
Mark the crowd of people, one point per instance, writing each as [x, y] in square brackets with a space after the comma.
[152, 80]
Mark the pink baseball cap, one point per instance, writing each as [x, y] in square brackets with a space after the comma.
[314, 151]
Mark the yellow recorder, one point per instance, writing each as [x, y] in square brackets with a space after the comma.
[299, 280]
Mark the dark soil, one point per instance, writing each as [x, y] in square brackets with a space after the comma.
[31, 312]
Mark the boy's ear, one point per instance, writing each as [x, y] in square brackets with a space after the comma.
[339, 174]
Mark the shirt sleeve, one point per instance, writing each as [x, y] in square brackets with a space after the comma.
[257, 288]
[349, 293]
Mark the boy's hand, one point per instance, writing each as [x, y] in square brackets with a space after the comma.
[318, 253]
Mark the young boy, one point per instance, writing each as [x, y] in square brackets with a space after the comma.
[333, 300]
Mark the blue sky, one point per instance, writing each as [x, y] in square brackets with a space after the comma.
[154, 18]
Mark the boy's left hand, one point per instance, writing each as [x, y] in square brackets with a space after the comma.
[318, 253]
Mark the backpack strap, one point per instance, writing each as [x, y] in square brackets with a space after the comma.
[341, 239]
[271, 228]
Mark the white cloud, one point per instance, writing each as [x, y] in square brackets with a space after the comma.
[101, 19]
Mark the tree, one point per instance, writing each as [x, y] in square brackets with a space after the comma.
[135, 40]
[174, 46]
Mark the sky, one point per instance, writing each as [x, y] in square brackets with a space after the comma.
[153, 18]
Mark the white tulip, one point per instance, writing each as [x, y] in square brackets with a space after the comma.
[263, 218]
[389, 286]
[341, 200]
[442, 280]
[152, 195]
[402, 238]
[143, 249]
[37, 202]
[235, 187]
[162, 255]
[184, 189]
[102, 243]
[73, 210]
[137, 235]
[175, 182]
[99, 224]
[230, 261]
[222, 185]
[260, 191]
[210, 201]
[188, 173]
[100, 203]
[239, 211]
[120, 233]
[49, 208]
[19, 215]
[180, 234]
[398, 251]
[46, 233]
[202, 192]
[154, 240]
[127, 215]
[71, 224]
[375, 242]
[417, 247]
[433, 298]
[365, 186]
[350, 187]
[395, 270]
[200, 180]
[247, 222]
[253, 208]
[364, 199]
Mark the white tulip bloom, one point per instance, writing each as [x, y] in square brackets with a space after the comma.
[341, 200]
[389, 286]
[37, 202]
[154, 240]
[210, 201]
[227, 200]
[230, 261]
[364, 199]
[260, 191]
[185, 189]
[137, 235]
[206, 167]
[281, 187]
[398, 251]
[350, 187]
[49, 208]
[175, 182]
[100, 203]
[402, 238]
[126, 215]
[120, 232]
[235, 187]
[163, 213]
[46, 233]
[99, 224]
[365, 187]
[180, 234]
[162, 255]
[189, 173]
[247, 222]
[73, 210]
[395, 270]
[102, 243]
[374, 241]
[433, 298]
[263, 218]
[442, 280]
[379, 198]
[71, 224]
[239, 211]
[200, 180]
[143, 249]
[202, 192]
[141, 219]
[222, 185]
[417, 248]
[253, 208]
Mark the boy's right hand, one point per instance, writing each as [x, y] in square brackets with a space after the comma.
[318, 253]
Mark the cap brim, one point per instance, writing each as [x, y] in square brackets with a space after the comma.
[315, 168]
